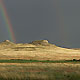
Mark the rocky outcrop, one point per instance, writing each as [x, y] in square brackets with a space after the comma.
[40, 42]
[7, 42]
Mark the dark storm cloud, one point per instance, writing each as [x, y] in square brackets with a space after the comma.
[55, 20]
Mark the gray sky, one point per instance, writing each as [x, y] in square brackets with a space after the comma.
[55, 20]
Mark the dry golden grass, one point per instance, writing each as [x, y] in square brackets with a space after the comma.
[39, 71]
[37, 50]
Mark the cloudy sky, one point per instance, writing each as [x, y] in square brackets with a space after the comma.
[58, 21]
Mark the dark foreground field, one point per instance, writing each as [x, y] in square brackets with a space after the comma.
[39, 70]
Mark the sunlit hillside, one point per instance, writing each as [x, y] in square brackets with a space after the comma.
[36, 50]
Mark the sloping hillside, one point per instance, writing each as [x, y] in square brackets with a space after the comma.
[39, 49]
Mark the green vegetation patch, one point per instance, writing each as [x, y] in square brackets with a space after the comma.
[42, 61]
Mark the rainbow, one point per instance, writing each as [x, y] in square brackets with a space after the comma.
[7, 22]
[60, 22]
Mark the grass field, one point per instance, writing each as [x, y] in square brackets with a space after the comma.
[39, 70]
[38, 60]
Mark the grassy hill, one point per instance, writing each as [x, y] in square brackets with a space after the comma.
[38, 60]
[36, 50]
